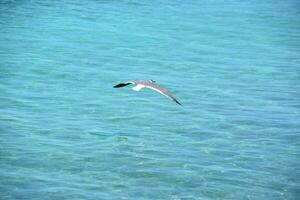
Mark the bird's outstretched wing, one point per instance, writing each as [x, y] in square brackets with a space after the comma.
[162, 91]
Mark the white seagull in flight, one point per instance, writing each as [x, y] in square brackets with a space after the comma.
[148, 84]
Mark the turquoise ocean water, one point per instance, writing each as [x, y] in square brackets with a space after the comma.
[65, 133]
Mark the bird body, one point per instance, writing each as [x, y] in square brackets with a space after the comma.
[140, 84]
[138, 87]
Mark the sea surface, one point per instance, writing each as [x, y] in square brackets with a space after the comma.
[66, 133]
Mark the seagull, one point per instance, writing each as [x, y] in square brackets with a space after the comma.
[140, 84]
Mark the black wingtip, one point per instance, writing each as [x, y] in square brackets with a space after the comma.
[121, 85]
[178, 102]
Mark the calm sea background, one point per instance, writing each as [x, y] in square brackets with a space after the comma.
[65, 133]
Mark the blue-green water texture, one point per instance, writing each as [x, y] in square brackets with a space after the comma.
[66, 133]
